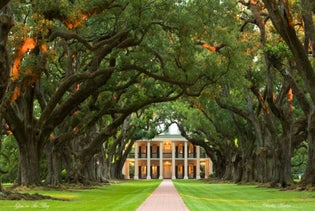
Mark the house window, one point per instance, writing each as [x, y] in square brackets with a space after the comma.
[191, 148]
[154, 170]
[167, 146]
[190, 170]
[143, 170]
[180, 148]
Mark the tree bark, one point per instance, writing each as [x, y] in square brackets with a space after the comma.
[310, 167]
[54, 163]
[280, 15]
[6, 23]
[3, 3]
[29, 148]
[29, 158]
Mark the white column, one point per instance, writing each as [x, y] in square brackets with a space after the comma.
[161, 160]
[185, 161]
[136, 176]
[198, 163]
[173, 160]
[207, 169]
[148, 160]
[126, 169]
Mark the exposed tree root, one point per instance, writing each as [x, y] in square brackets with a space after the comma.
[10, 195]
[18, 192]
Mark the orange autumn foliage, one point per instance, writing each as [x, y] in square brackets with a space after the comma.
[9, 132]
[290, 95]
[263, 103]
[51, 137]
[28, 44]
[77, 87]
[290, 98]
[75, 23]
[209, 47]
[43, 48]
[16, 94]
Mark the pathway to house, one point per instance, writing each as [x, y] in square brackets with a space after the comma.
[164, 198]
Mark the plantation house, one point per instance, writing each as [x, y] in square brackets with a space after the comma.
[167, 156]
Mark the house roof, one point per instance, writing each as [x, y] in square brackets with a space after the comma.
[171, 134]
[169, 137]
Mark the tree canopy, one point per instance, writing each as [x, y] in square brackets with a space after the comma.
[82, 80]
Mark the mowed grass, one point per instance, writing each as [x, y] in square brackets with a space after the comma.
[126, 195]
[198, 195]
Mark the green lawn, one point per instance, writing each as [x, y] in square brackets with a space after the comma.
[122, 196]
[198, 195]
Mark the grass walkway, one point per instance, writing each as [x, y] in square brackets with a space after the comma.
[197, 195]
[200, 196]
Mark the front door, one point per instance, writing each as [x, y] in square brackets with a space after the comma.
[167, 170]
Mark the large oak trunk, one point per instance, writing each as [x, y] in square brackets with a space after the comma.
[5, 26]
[29, 168]
[285, 168]
[280, 14]
[248, 169]
[219, 164]
[310, 168]
[116, 170]
[85, 169]
[54, 164]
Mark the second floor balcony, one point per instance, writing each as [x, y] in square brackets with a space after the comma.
[166, 155]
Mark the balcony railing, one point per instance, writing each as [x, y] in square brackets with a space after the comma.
[167, 155]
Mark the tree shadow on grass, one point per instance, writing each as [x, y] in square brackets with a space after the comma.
[19, 193]
[11, 195]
